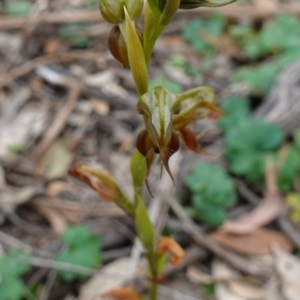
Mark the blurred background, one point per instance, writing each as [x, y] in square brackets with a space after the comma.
[64, 99]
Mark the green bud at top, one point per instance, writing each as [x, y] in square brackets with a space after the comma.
[189, 4]
[113, 10]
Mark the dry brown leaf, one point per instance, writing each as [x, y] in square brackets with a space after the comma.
[54, 216]
[101, 107]
[222, 291]
[110, 277]
[195, 275]
[57, 187]
[247, 290]
[122, 294]
[12, 197]
[288, 268]
[264, 213]
[258, 242]
[56, 161]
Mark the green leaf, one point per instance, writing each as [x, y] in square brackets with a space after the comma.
[209, 213]
[138, 169]
[236, 110]
[289, 170]
[213, 192]
[83, 248]
[18, 8]
[11, 288]
[73, 34]
[12, 266]
[281, 34]
[248, 146]
[262, 77]
[296, 136]
[144, 227]
[192, 32]
[136, 56]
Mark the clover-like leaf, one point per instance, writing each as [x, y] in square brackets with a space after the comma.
[83, 248]
[236, 110]
[12, 267]
[213, 192]
[248, 146]
[288, 164]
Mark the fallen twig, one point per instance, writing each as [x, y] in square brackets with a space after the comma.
[60, 119]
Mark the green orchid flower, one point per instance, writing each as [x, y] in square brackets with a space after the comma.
[166, 117]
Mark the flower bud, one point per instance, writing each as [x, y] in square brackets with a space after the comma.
[117, 45]
[166, 245]
[113, 10]
[190, 4]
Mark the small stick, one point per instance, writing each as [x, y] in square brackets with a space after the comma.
[62, 266]
[60, 120]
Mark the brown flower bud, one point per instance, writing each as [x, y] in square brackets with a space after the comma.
[117, 45]
[113, 10]
[166, 245]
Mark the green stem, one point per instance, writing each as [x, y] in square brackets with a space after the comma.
[150, 42]
[153, 291]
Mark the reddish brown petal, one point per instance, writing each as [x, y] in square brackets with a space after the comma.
[146, 148]
[190, 141]
[172, 147]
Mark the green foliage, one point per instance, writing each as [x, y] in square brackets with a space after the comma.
[73, 34]
[213, 26]
[15, 148]
[18, 8]
[279, 38]
[12, 267]
[236, 110]
[83, 248]
[143, 225]
[289, 167]
[261, 78]
[168, 84]
[297, 139]
[179, 61]
[210, 289]
[248, 146]
[213, 193]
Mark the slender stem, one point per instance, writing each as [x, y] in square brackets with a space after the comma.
[153, 291]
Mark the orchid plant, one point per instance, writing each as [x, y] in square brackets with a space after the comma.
[166, 118]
